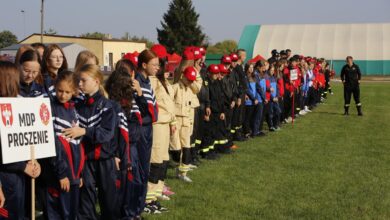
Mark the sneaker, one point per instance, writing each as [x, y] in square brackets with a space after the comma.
[331, 93]
[234, 147]
[167, 192]
[278, 129]
[307, 109]
[302, 112]
[163, 197]
[272, 129]
[260, 134]
[184, 178]
[158, 206]
[289, 120]
[192, 166]
[151, 210]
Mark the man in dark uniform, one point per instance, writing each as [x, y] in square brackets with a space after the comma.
[238, 111]
[274, 58]
[350, 76]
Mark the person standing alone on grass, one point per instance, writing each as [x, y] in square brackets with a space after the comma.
[350, 76]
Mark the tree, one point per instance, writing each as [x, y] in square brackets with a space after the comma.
[97, 35]
[224, 47]
[51, 31]
[134, 38]
[7, 38]
[180, 27]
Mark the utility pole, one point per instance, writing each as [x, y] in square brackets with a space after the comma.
[24, 22]
[42, 13]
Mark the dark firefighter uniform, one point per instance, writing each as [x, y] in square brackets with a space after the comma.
[350, 76]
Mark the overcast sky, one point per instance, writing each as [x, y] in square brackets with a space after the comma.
[220, 19]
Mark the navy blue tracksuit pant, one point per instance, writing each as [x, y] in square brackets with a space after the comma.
[13, 185]
[63, 205]
[136, 189]
[101, 174]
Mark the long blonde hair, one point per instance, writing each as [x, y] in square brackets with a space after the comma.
[82, 59]
[94, 72]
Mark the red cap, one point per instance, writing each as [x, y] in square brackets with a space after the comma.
[213, 69]
[223, 69]
[234, 57]
[132, 57]
[197, 53]
[226, 59]
[188, 55]
[159, 50]
[190, 73]
[202, 51]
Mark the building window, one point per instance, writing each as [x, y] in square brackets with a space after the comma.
[110, 60]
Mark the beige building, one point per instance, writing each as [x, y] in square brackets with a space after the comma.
[108, 51]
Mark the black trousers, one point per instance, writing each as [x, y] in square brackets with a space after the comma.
[101, 175]
[248, 119]
[348, 92]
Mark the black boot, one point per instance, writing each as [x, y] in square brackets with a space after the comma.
[346, 110]
[359, 109]
[195, 157]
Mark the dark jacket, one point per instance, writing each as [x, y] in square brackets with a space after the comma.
[350, 75]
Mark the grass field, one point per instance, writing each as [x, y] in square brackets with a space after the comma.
[327, 166]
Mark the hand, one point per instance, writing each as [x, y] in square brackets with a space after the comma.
[271, 89]
[81, 183]
[208, 111]
[117, 162]
[358, 81]
[33, 169]
[2, 198]
[37, 169]
[222, 116]
[73, 132]
[65, 184]
[256, 101]
[266, 101]
[232, 105]
[136, 87]
[173, 129]
[207, 118]
[238, 102]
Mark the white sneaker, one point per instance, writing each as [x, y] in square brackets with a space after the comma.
[307, 109]
[184, 178]
[163, 197]
[302, 112]
[289, 120]
[191, 166]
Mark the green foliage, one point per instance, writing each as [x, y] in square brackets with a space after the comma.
[325, 166]
[7, 38]
[180, 27]
[134, 38]
[97, 35]
[50, 31]
[224, 47]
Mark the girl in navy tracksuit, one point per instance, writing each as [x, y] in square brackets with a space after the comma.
[30, 69]
[250, 100]
[148, 64]
[12, 176]
[274, 105]
[121, 92]
[97, 115]
[63, 172]
[53, 62]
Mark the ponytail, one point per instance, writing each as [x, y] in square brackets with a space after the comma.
[103, 91]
